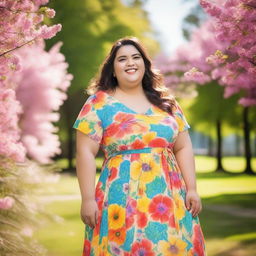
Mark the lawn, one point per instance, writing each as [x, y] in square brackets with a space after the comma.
[228, 217]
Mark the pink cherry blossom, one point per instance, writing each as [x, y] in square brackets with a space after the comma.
[235, 65]
[6, 203]
[41, 89]
[21, 24]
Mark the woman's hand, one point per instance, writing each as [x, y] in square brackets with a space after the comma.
[89, 212]
[193, 202]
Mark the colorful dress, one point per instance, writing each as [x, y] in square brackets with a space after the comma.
[140, 192]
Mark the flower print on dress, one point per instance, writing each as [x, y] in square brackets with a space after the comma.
[141, 190]
[130, 212]
[179, 207]
[138, 144]
[198, 241]
[117, 235]
[161, 208]
[145, 168]
[124, 124]
[99, 101]
[142, 248]
[142, 219]
[116, 215]
[173, 247]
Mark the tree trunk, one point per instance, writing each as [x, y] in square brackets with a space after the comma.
[247, 148]
[210, 147]
[219, 147]
[237, 144]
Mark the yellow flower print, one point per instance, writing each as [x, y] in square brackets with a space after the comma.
[95, 243]
[99, 104]
[173, 247]
[143, 204]
[115, 161]
[191, 252]
[179, 207]
[180, 123]
[84, 126]
[158, 110]
[148, 137]
[116, 216]
[135, 170]
[145, 169]
[109, 140]
[103, 245]
[151, 119]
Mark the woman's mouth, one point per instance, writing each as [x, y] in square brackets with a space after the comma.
[131, 70]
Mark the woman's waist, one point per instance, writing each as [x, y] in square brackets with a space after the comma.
[156, 150]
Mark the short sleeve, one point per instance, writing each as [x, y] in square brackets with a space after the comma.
[89, 122]
[180, 118]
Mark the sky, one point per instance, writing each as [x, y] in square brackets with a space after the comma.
[166, 18]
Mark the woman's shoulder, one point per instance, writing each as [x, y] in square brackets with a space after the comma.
[96, 97]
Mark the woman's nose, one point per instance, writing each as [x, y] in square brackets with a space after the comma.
[130, 62]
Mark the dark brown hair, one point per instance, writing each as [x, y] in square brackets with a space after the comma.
[152, 81]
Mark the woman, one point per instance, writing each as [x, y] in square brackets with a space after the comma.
[145, 202]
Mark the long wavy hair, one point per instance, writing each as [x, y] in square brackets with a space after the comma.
[152, 82]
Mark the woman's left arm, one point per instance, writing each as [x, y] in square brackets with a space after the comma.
[184, 155]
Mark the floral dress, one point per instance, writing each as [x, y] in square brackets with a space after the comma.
[140, 192]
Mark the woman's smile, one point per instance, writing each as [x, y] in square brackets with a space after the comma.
[131, 70]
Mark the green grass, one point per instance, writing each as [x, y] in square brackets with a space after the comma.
[234, 164]
[225, 233]
[224, 196]
[65, 236]
[67, 185]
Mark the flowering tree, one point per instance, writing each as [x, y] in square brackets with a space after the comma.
[20, 23]
[230, 55]
[41, 90]
[234, 22]
[235, 68]
[191, 56]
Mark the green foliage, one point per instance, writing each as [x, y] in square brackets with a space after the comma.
[90, 27]
[210, 106]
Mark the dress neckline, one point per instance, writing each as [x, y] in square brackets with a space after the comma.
[124, 105]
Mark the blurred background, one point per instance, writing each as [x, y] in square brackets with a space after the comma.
[189, 47]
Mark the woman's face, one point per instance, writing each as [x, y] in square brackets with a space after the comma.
[129, 67]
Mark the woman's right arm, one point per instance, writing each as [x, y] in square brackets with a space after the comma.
[86, 150]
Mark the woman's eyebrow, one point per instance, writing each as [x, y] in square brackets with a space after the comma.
[123, 56]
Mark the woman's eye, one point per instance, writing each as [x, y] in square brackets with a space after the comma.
[121, 59]
[137, 57]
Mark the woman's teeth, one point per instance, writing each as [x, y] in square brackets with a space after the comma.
[131, 70]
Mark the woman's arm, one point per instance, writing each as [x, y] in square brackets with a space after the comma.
[184, 155]
[86, 150]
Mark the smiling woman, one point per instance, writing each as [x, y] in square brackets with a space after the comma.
[145, 201]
